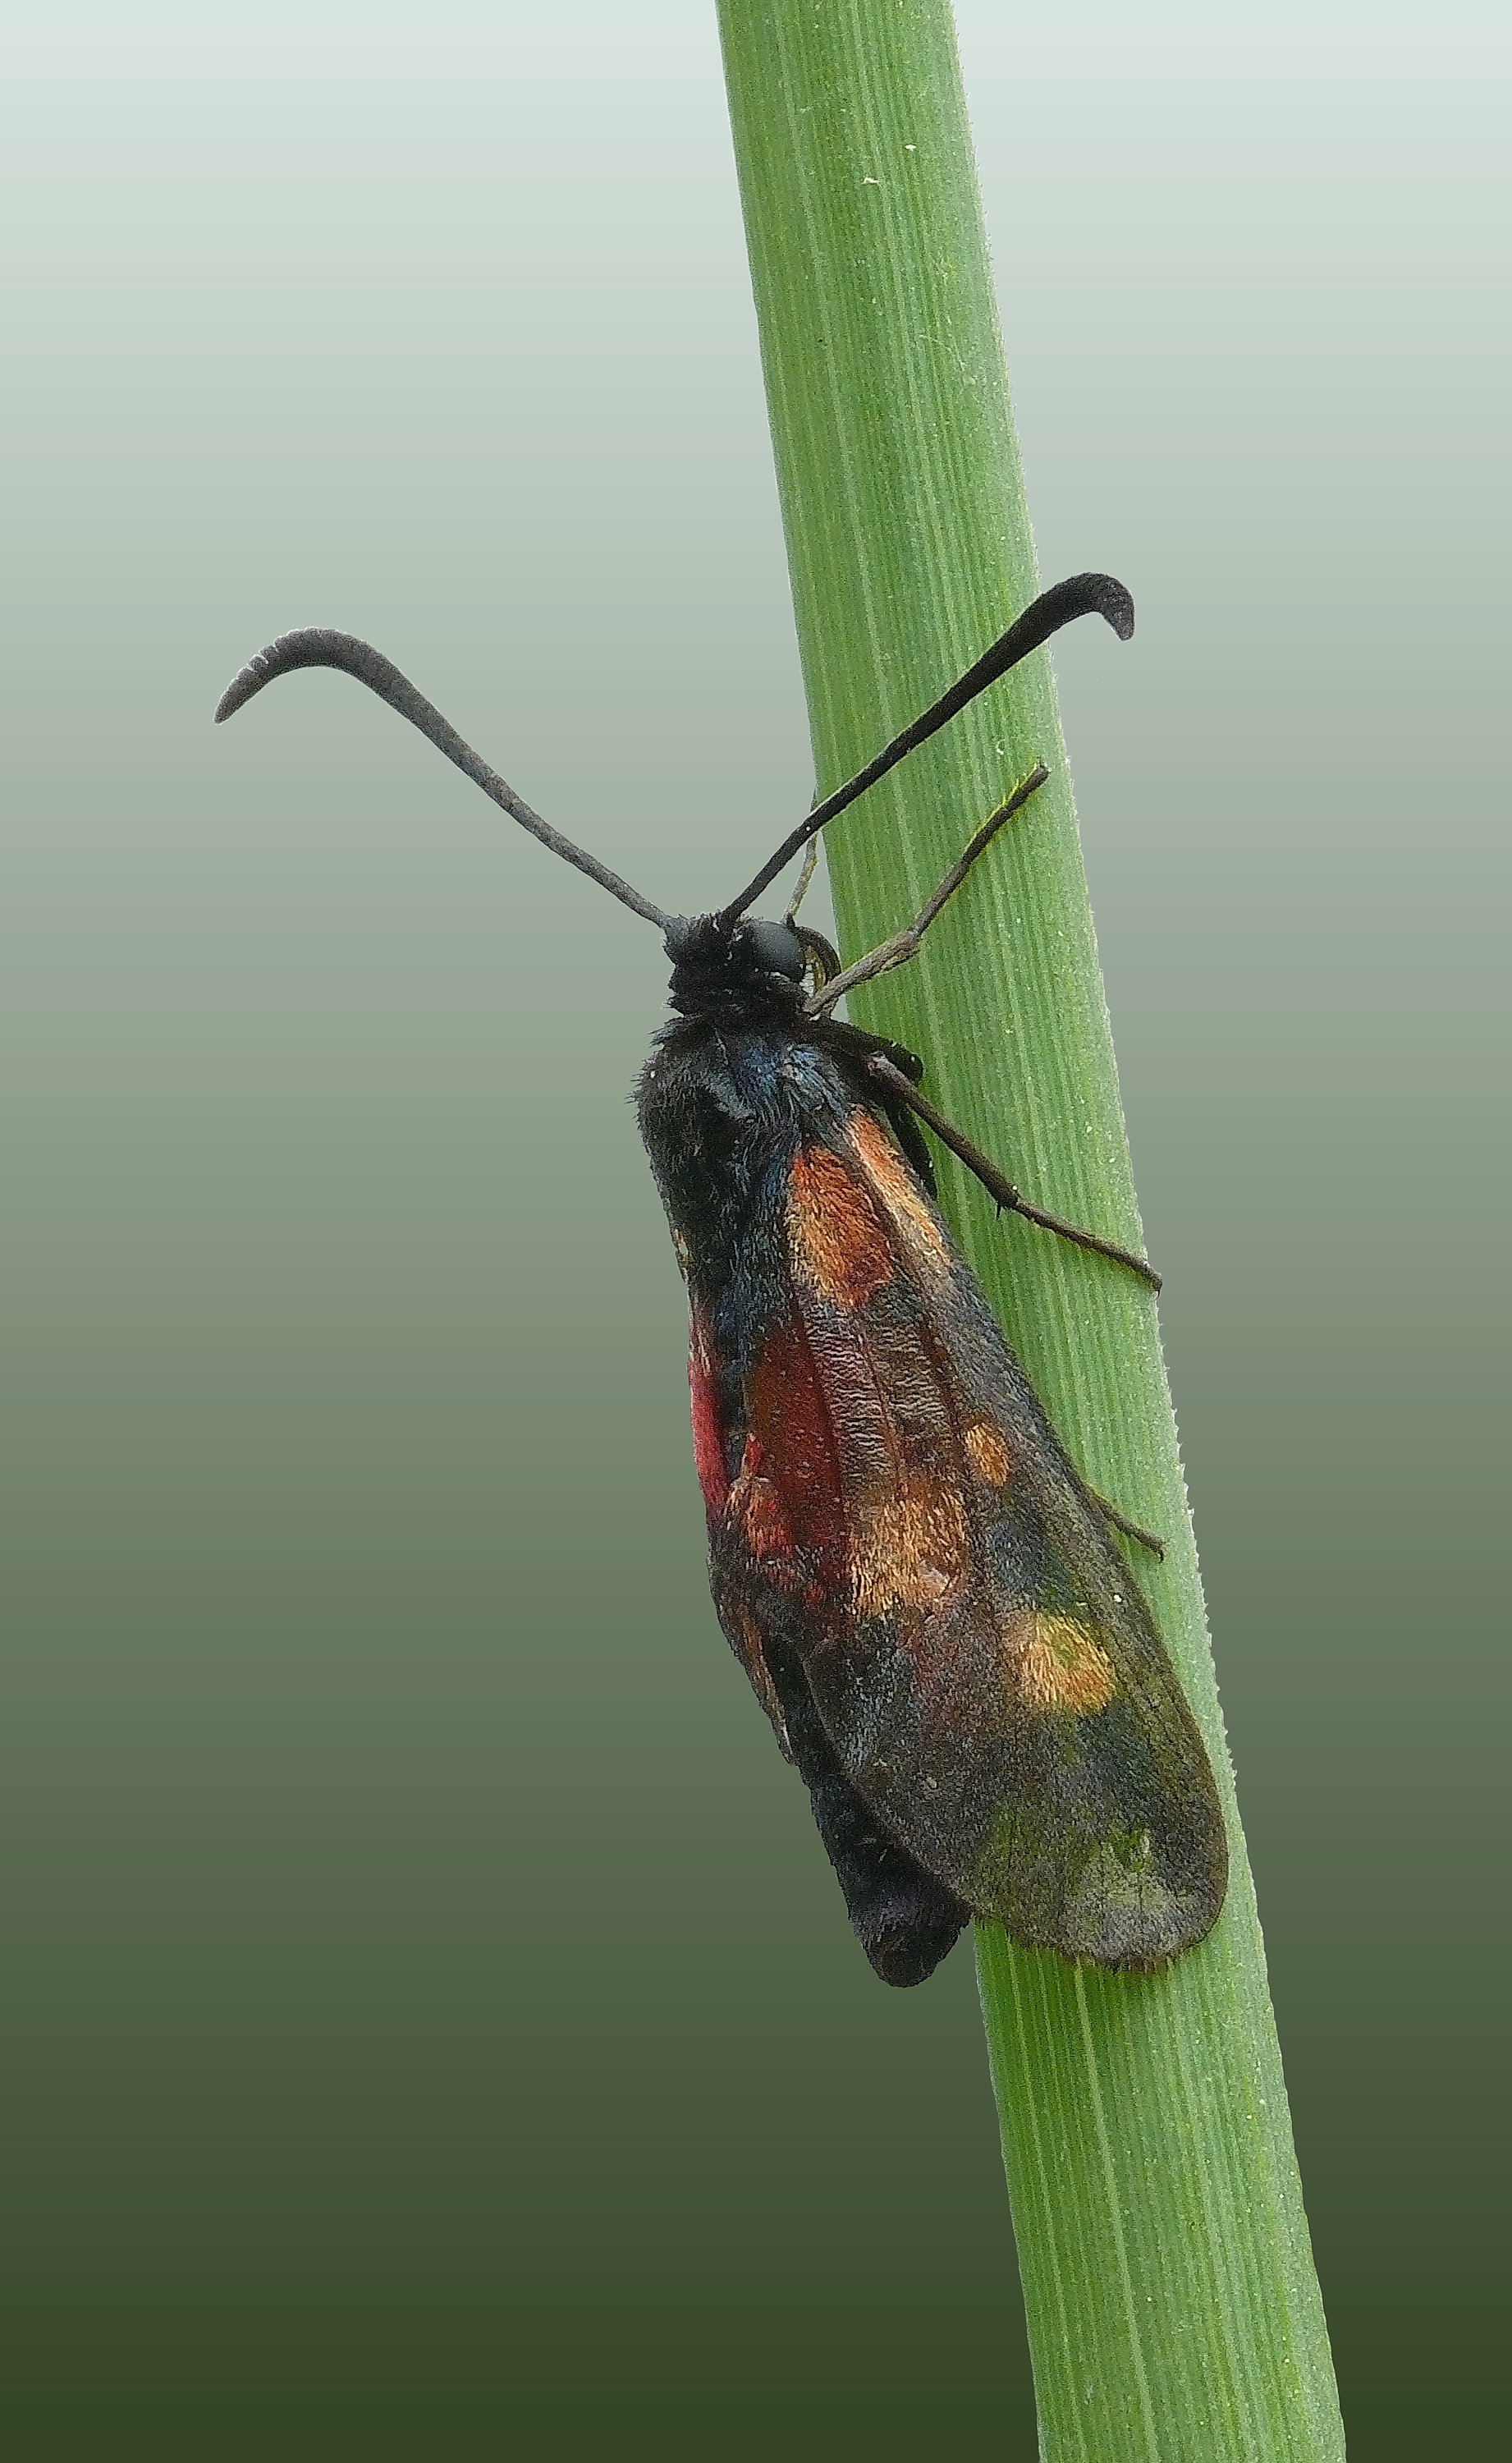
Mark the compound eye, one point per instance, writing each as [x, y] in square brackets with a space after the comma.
[775, 947]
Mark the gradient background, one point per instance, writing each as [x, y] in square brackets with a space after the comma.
[431, 2029]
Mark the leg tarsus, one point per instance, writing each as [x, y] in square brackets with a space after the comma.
[1120, 1522]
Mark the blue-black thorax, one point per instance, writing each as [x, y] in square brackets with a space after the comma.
[736, 1084]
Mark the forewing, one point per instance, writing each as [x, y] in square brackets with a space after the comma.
[904, 1517]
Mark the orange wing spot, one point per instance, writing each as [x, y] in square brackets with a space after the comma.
[987, 1452]
[912, 1553]
[1057, 1663]
[838, 1241]
[902, 1195]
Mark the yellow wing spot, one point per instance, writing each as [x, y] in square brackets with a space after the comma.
[987, 1452]
[914, 1552]
[901, 1193]
[1057, 1662]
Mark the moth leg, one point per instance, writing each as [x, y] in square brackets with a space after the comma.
[911, 1137]
[902, 1095]
[904, 945]
[1120, 1522]
[899, 1092]
[858, 1043]
[810, 858]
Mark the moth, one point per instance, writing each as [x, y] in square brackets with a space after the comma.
[925, 1594]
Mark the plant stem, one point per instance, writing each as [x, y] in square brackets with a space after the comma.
[1173, 2307]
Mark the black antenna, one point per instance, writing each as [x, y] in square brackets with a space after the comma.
[315, 645]
[1084, 593]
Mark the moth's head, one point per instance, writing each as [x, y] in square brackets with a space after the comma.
[753, 961]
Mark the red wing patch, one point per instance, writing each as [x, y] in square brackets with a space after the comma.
[786, 1500]
[748, 1506]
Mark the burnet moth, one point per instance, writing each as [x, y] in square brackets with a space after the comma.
[925, 1594]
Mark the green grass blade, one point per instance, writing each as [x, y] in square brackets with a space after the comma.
[1172, 2302]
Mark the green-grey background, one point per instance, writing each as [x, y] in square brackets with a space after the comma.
[431, 2028]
